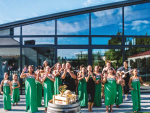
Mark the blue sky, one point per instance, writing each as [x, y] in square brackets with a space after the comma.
[13, 10]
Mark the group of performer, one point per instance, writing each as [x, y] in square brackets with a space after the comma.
[90, 84]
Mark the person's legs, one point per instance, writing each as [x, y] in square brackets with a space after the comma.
[92, 103]
[111, 106]
[107, 111]
[89, 106]
[45, 109]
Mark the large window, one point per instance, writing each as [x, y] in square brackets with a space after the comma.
[100, 56]
[73, 40]
[10, 41]
[137, 41]
[139, 58]
[11, 31]
[107, 22]
[75, 56]
[42, 28]
[38, 40]
[9, 62]
[37, 55]
[137, 19]
[74, 25]
[106, 40]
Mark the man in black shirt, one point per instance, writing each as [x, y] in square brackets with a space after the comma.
[68, 78]
[125, 68]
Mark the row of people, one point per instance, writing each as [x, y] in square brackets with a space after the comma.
[89, 87]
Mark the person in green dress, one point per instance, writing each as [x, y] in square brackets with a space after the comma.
[39, 90]
[110, 89]
[6, 92]
[121, 82]
[48, 80]
[99, 78]
[82, 91]
[135, 90]
[15, 90]
[30, 88]
[58, 81]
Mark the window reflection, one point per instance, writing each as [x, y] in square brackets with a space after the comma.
[75, 56]
[137, 41]
[38, 40]
[139, 58]
[107, 22]
[137, 19]
[106, 41]
[99, 57]
[9, 41]
[73, 40]
[74, 25]
[9, 62]
[42, 28]
[11, 31]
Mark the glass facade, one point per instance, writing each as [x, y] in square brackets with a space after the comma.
[114, 34]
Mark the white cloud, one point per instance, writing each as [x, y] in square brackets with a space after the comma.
[136, 25]
[88, 2]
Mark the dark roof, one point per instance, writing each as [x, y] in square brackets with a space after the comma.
[71, 13]
[140, 54]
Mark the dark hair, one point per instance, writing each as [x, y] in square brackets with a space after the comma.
[126, 61]
[8, 75]
[105, 72]
[32, 68]
[111, 68]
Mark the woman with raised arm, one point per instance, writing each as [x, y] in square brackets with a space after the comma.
[135, 90]
[82, 91]
[99, 78]
[6, 92]
[30, 89]
[90, 79]
[48, 80]
[110, 89]
[58, 81]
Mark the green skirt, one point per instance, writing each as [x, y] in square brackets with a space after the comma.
[39, 93]
[6, 98]
[119, 98]
[57, 83]
[97, 99]
[15, 94]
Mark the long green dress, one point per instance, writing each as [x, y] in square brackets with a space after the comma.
[48, 90]
[136, 99]
[82, 92]
[6, 96]
[110, 91]
[119, 98]
[31, 94]
[15, 93]
[39, 93]
[97, 99]
[57, 83]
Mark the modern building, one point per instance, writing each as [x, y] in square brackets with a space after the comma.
[88, 36]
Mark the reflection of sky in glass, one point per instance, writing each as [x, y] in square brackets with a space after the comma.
[101, 40]
[107, 22]
[74, 25]
[73, 41]
[17, 31]
[17, 39]
[70, 53]
[137, 19]
[101, 51]
[39, 41]
[130, 41]
[42, 28]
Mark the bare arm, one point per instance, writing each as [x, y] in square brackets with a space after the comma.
[43, 78]
[53, 78]
[80, 77]
[64, 74]
[87, 78]
[56, 73]
[1, 86]
[72, 74]
[130, 81]
[141, 81]
[94, 77]
[23, 75]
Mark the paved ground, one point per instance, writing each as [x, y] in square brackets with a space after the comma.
[125, 107]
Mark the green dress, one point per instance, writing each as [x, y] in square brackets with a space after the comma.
[110, 91]
[48, 91]
[39, 93]
[136, 99]
[119, 98]
[97, 99]
[6, 96]
[31, 94]
[82, 92]
[15, 93]
[57, 83]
